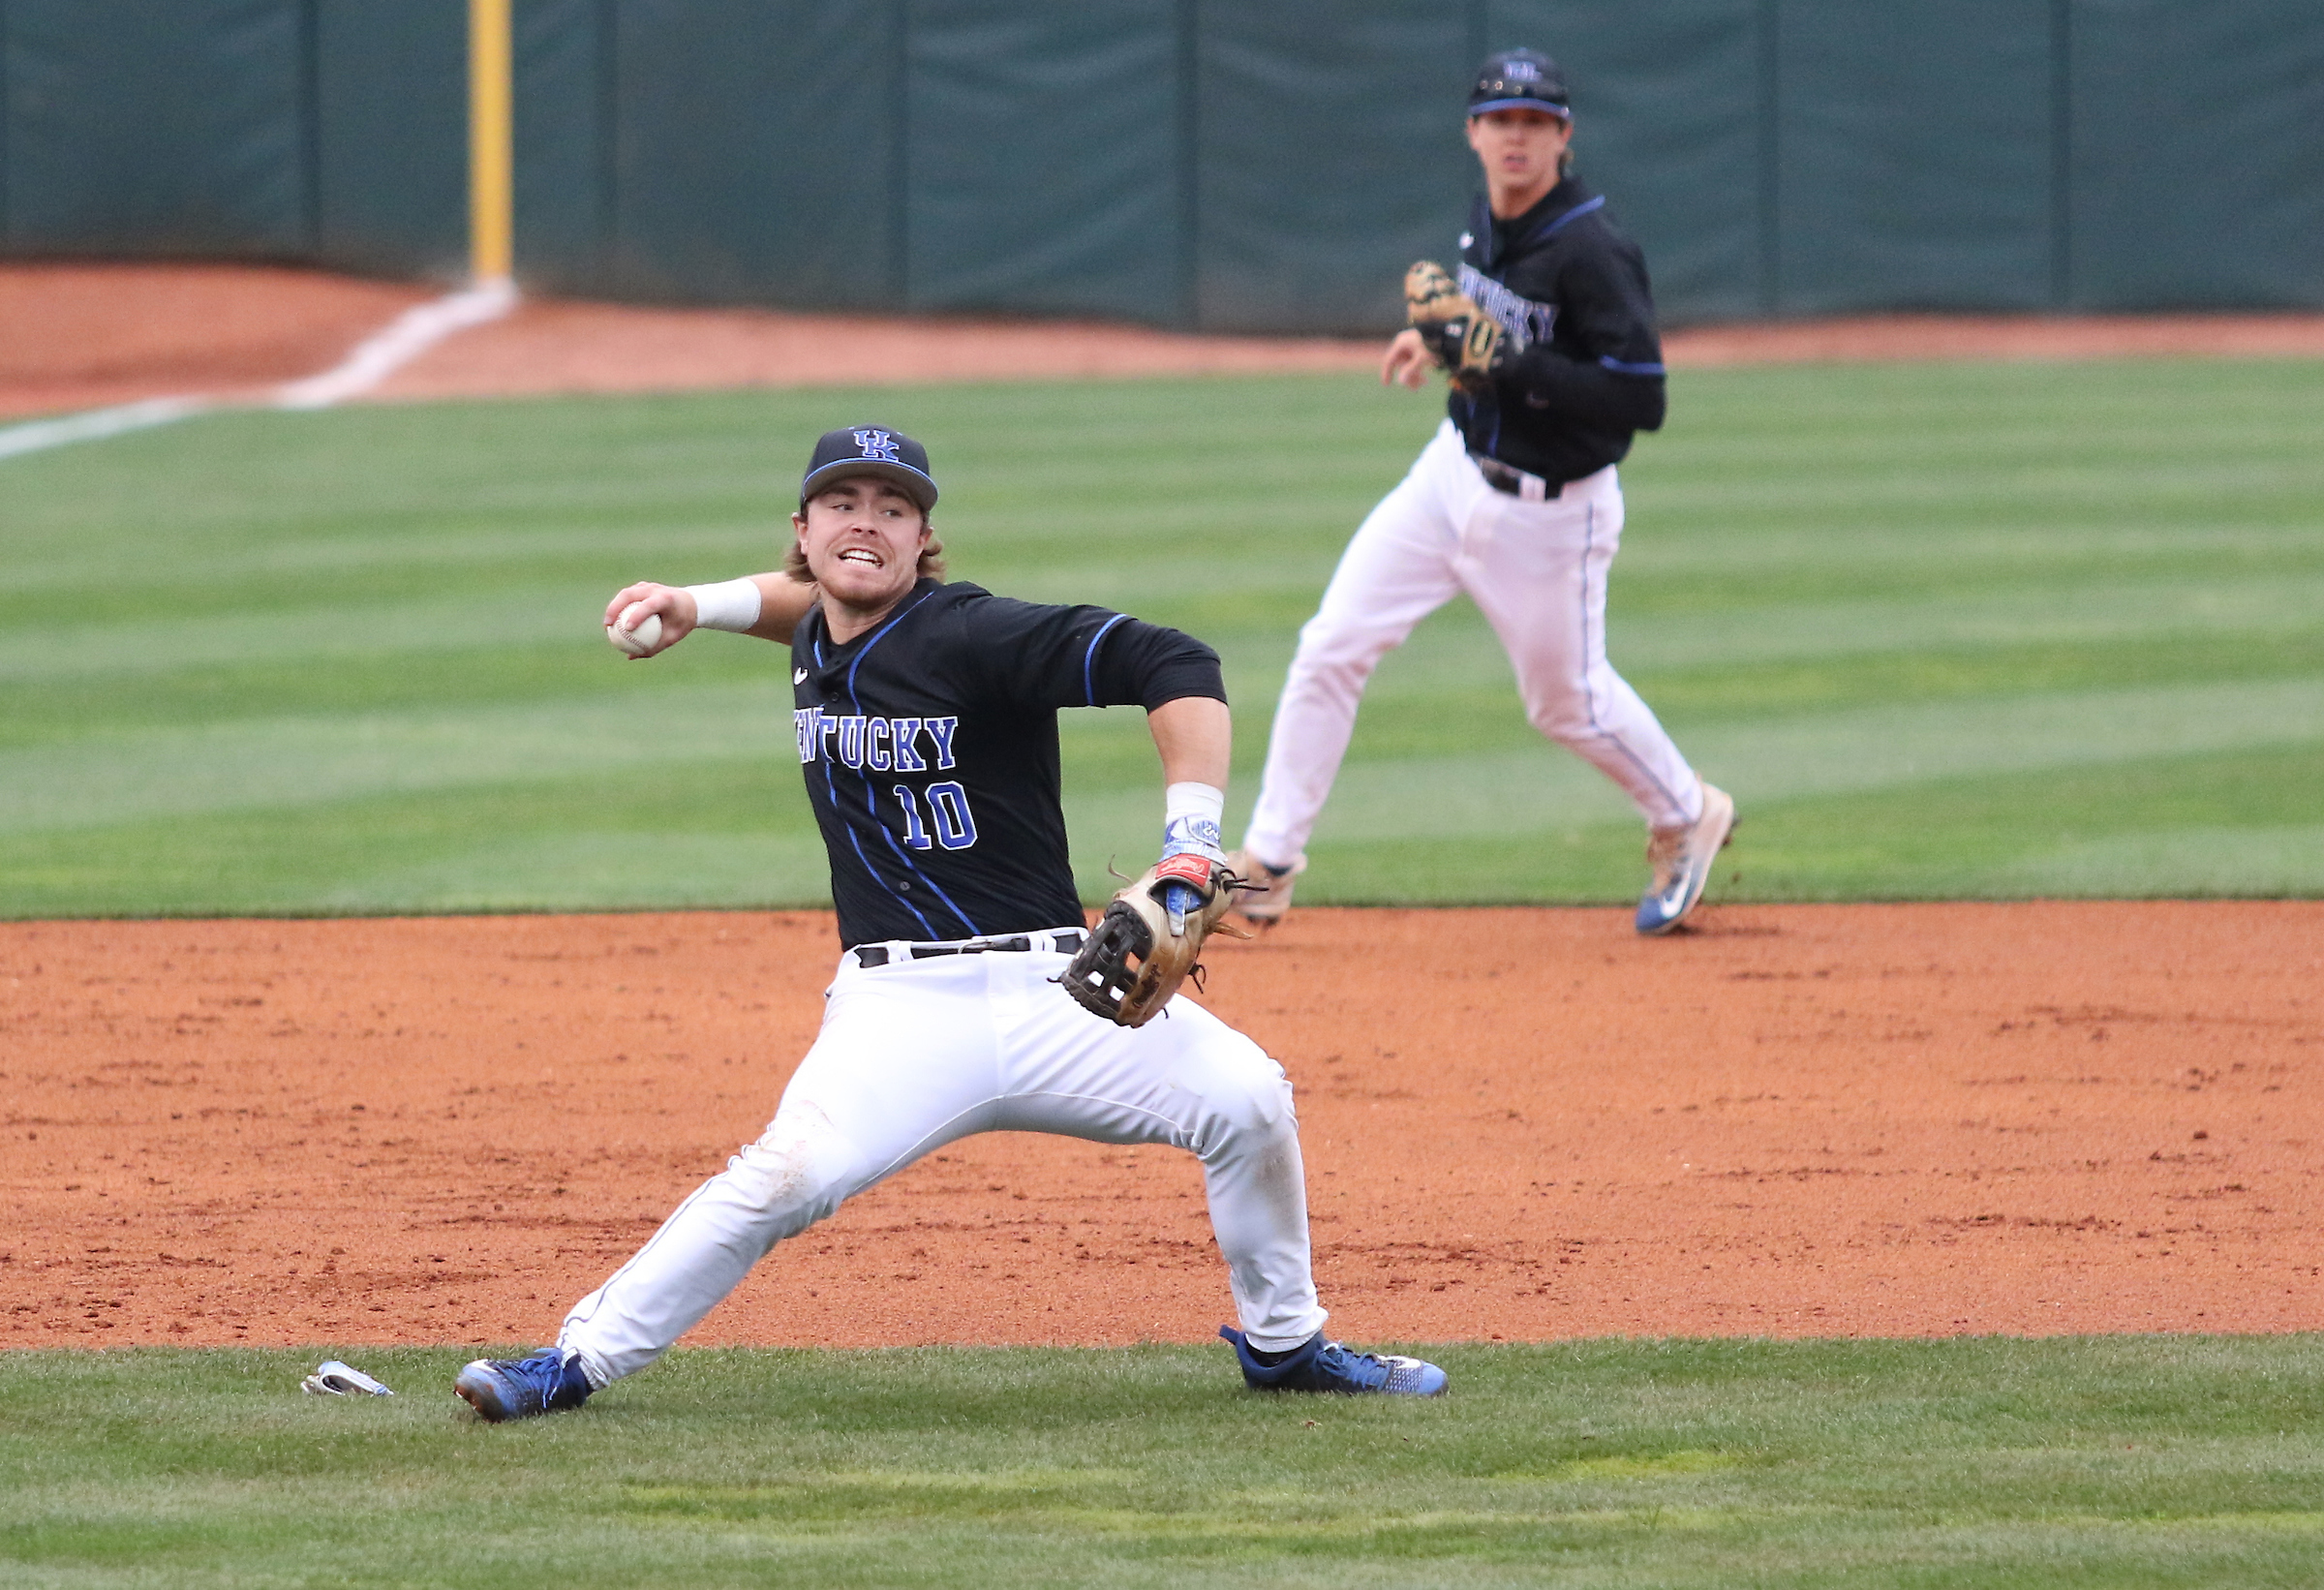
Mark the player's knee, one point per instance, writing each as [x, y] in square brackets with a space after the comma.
[1249, 1100]
[1339, 653]
[798, 1172]
[1565, 718]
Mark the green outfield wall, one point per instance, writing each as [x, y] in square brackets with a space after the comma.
[1190, 163]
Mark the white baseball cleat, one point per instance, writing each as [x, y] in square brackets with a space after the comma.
[1682, 859]
[1266, 903]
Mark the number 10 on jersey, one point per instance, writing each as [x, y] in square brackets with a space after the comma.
[948, 805]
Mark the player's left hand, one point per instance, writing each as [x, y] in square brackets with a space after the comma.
[1454, 331]
[1143, 947]
[1188, 837]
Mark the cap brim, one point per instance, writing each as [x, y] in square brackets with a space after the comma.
[917, 486]
[1557, 110]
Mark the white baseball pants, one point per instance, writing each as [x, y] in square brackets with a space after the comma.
[1536, 571]
[917, 1054]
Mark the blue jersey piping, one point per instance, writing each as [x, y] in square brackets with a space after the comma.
[1572, 215]
[1090, 658]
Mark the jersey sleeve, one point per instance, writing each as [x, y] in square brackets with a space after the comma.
[1611, 375]
[1036, 655]
[1144, 665]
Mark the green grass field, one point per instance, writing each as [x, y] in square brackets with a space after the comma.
[2059, 1464]
[1944, 629]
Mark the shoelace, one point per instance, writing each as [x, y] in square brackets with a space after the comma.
[542, 1374]
[1366, 1369]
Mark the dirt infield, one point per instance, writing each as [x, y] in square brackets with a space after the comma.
[1813, 1121]
[77, 336]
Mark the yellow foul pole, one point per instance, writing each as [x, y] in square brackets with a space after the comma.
[491, 143]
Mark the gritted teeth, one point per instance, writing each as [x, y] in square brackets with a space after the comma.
[861, 555]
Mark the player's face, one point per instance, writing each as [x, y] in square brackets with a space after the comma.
[1519, 149]
[861, 538]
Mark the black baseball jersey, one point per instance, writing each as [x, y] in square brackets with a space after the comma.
[929, 744]
[1587, 367]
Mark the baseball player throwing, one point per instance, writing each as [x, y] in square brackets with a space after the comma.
[1548, 336]
[924, 717]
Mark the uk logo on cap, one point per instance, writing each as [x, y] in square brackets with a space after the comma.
[1521, 72]
[880, 445]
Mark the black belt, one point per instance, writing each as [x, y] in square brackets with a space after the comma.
[1515, 482]
[878, 955]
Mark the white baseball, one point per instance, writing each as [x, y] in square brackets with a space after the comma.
[637, 641]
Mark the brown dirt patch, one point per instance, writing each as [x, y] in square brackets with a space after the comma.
[1810, 1121]
[77, 336]
[560, 345]
[565, 347]
[83, 336]
[1867, 338]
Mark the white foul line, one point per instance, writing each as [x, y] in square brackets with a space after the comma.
[377, 357]
[404, 339]
[94, 423]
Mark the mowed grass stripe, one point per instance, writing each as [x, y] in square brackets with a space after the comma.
[2147, 1461]
[276, 762]
[370, 637]
[2239, 825]
[105, 780]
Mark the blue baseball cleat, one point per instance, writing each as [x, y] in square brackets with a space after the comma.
[545, 1382]
[1320, 1365]
[1682, 859]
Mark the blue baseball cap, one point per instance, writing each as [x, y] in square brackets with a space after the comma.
[1520, 79]
[869, 449]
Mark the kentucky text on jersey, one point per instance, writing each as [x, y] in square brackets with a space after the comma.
[859, 739]
[1525, 320]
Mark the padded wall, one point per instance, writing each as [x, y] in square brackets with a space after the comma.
[2197, 151]
[390, 135]
[1192, 162]
[1327, 157]
[1040, 170]
[142, 129]
[1915, 156]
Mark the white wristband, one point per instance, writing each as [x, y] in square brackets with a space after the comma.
[1192, 811]
[730, 604]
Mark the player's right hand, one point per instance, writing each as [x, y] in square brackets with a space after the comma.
[676, 608]
[1408, 361]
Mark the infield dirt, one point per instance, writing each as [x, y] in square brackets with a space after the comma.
[1525, 1124]
[82, 334]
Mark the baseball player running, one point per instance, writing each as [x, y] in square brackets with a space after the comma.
[1549, 335]
[924, 717]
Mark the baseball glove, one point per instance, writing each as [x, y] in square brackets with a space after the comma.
[1462, 338]
[1143, 947]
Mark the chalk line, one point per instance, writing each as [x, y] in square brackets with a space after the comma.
[375, 358]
